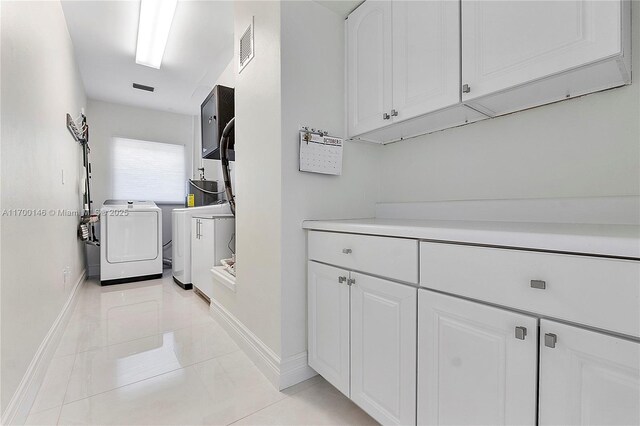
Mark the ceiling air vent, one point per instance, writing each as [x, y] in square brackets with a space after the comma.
[143, 87]
[246, 47]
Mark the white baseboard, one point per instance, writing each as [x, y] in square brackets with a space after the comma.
[282, 373]
[18, 408]
[295, 369]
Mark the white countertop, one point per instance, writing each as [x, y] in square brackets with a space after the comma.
[607, 240]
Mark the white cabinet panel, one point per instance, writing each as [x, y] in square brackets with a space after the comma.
[588, 378]
[426, 56]
[383, 349]
[369, 66]
[506, 44]
[210, 240]
[384, 256]
[202, 255]
[328, 305]
[472, 368]
[599, 292]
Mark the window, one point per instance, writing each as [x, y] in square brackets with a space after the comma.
[143, 170]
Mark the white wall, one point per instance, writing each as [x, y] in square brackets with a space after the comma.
[107, 120]
[256, 302]
[276, 93]
[40, 84]
[313, 95]
[585, 147]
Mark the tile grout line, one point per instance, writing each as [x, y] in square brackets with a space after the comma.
[73, 366]
[75, 357]
[133, 340]
[273, 403]
[147, 378]
[205, 321]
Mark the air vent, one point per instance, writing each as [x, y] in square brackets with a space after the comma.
[246, 47]
[143, 87]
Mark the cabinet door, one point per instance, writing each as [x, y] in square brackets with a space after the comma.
[383, 349]
[369, 66]
[328, 305]
[202, 255]
[473, 369]
[587, 377]
[505, 44]
[426, 56]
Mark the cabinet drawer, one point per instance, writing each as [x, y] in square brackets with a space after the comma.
[598, 292]
[395, 258]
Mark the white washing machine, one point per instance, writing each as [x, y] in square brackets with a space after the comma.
[181, 236]
[131, 241]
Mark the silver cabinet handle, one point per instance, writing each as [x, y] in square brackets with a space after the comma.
[538, 284]
[394, 113]
[466, 88]
[347, 251]
[521, 333]
[385, 116]
[342, 279]
[197, 229]
[550, 340]
[351, 281]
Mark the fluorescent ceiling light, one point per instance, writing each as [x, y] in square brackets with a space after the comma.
[153, 30]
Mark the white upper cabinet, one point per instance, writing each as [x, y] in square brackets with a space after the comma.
[587, 378]
[404, 60]
[369, 65]
[383, 349]
[328, 305]
[509, 44]
[477, 364]
[426, 57]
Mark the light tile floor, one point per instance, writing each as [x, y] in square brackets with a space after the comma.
[150, 353]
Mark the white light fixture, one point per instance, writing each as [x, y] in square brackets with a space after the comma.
[153, 30]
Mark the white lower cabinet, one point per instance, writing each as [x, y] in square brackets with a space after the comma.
[209, 243]
[383, 349]
[587, 377]
[477, 364]
[328, 311]
[362, 340]
[458, 351]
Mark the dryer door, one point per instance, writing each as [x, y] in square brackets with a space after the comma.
[133, 237]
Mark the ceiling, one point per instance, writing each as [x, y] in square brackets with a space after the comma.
[104, 35]
[341, 7]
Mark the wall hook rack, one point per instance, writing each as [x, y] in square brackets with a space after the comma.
[78, 128]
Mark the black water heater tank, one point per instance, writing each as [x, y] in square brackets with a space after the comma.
[215, 112]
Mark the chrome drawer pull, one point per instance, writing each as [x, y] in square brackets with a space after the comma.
[342, 279]
[351, 281]
[521, 333]
[539, 284]
[550, 340]
[346, 251]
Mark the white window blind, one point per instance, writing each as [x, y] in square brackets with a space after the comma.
[143, 170]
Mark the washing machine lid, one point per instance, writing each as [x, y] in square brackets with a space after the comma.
[124, 204]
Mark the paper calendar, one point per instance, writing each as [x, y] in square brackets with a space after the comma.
[320, 153]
